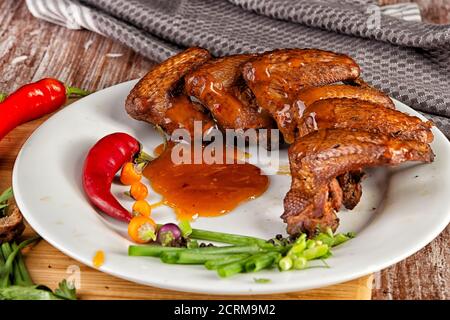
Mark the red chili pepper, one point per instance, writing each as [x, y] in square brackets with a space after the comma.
[33, 101]
[102, 163]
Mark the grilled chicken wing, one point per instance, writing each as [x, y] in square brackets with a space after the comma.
[219, 86]
[355, 114]
[350, 182]
[306, 97]
[275, 78]
[157, 97]
[319, 157]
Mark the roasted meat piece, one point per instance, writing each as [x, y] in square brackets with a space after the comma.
[350, 184]
[355, 114]
[11, 225]
[219, 86]
[158, 98]
[275, 78]
[318, 158]
[306, 97]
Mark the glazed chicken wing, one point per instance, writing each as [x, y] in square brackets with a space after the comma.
[219, 86]
[318, 158]
[275, 78]
[355, 114]
[306, 97]
[158, 99]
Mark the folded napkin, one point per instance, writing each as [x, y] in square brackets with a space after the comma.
[405, 58]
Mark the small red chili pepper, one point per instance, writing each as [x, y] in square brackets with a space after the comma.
[33, 101]
[102, 163]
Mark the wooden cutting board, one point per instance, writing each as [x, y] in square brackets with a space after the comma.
[49, 266]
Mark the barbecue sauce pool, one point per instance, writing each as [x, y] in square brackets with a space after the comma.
[204, 189]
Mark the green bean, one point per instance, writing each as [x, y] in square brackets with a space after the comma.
[225, 237]
[7, 268]
[150, 250]
[260, 261]
[27, 281]
[169, 257]
[316, 252]
[227, 249]
[155, 251]
[232, 268]
[217, 263]
[17, 277]
[4, 276]
[185, 257]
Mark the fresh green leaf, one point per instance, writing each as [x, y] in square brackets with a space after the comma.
[262, 280]
[6, 195]
[66, 291]
[3, 96]
[26, 293]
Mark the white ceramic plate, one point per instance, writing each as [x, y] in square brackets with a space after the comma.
[401, 211]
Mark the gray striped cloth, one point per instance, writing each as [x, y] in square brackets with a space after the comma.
[398, 54]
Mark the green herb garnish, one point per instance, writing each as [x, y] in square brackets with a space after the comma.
[262, 280]
[245, 254]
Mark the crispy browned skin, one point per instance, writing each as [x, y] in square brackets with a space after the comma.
[321, 156]
[350, 183]
[275, 78]
[219, 86]
[355, 114]
[306, 97]
[156, 98]
[11, 225]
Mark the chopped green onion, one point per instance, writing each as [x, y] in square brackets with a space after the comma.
[300, 263]
[216, 263]
[185, 228]
[315, 252]
[285, 263]
[262, 280]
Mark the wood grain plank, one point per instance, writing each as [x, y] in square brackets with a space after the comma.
[80, 58]
[432, 11]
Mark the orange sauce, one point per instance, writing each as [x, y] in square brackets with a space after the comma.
[99, 259]
[204, 189]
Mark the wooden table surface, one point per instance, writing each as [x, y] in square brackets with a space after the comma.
[31, 49]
